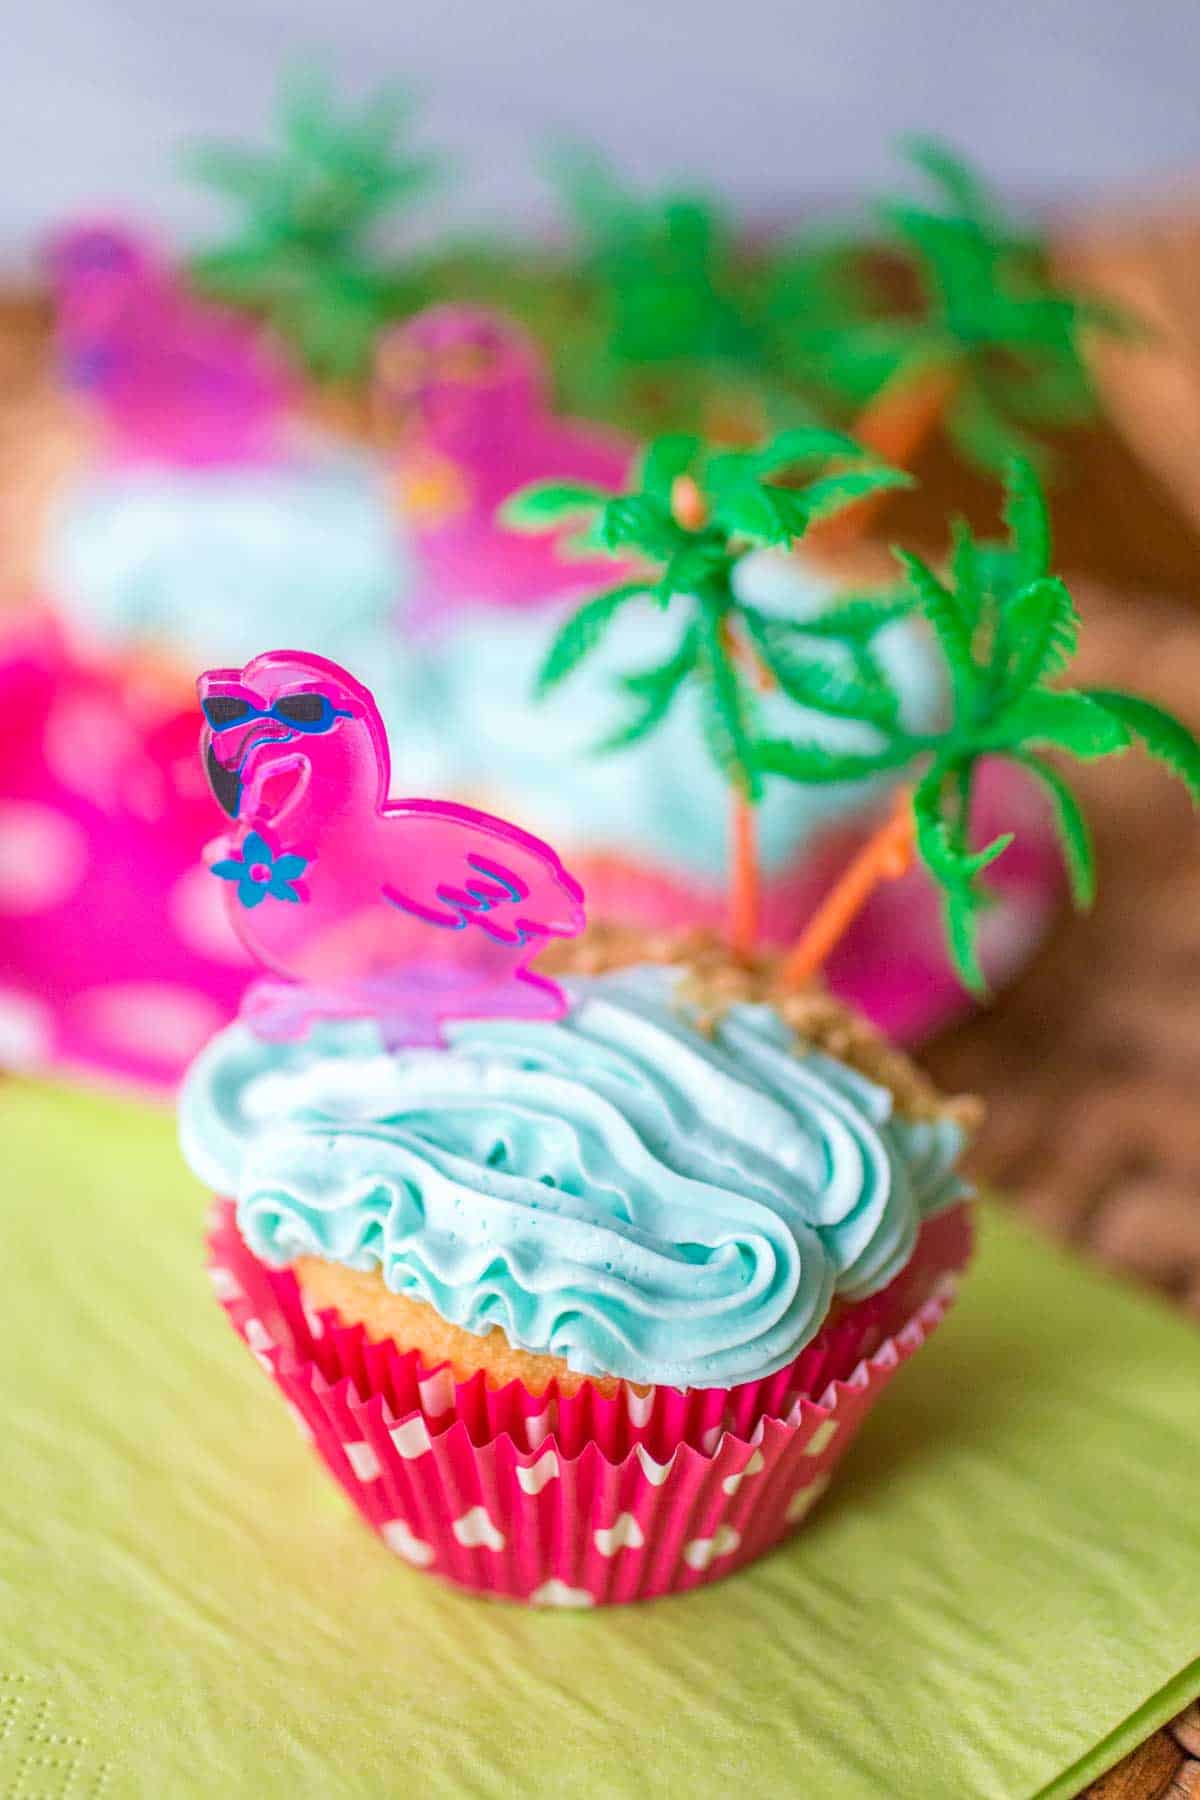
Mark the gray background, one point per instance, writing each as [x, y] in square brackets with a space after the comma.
[772, 102]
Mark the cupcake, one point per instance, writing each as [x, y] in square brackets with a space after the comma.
[582, 1276]
[587, 1309]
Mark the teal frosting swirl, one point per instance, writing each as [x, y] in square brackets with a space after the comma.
[616, 1189]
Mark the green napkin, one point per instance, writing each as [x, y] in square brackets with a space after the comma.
[995, 1599]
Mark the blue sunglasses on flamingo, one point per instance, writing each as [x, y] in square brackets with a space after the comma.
[302, 712]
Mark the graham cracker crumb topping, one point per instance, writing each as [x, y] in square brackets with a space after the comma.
[716, 980]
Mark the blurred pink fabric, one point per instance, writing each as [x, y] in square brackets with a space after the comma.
[115, 954]
[171, 379]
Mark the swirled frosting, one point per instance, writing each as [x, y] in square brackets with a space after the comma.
[615, 1188]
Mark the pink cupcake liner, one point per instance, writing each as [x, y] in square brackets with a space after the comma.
[532, 1513]
[659, 1419]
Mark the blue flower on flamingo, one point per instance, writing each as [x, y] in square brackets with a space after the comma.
[259, 872]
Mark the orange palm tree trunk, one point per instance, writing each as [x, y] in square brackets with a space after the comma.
[745, 881]
[885, 856]
[745, 871]
[894, 426]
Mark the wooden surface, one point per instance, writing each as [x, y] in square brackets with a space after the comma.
[1166, 1767]
[1098, 1140]
[1147, 258]
[1091, 1063]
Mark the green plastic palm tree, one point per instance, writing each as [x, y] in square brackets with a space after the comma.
[665, 264]
[1007, 632]
[306, 253]
[692, 516]
[680, 318]
[993, 351]
[1005, 627]
[662, 320]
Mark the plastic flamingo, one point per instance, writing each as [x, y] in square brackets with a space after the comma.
[173, 380]
[467, 394]
[412, 911]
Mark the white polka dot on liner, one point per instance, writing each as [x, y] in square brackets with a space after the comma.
[437, 1392]
[655, 1472]
[558, 1593]
[363, 1460]
[623, 1534]
[538, 1426]
[754, 1466]
[397, 1535]
[411, 1439]
[804, 1499]
[475, 1531]
[534, 1478]
[822, 1437]
[258, 1340]
[225, 1284]
[639, 1406]
[701, 1552]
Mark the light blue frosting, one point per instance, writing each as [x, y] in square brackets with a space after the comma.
[218, 564]
[616, 1188]
[661, 800]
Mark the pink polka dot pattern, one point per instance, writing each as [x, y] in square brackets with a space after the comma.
[43, 857]
[161, 1020]
[103, 821]
[196, 913]
[26, 1032]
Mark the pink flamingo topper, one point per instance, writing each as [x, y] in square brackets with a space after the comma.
[408, 911]
[467, 394]
[172, 379]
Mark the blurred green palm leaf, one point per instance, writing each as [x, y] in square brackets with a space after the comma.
[306, 252]
[988, 307]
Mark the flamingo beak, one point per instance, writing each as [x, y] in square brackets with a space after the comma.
[226, 784]
[225, 772]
